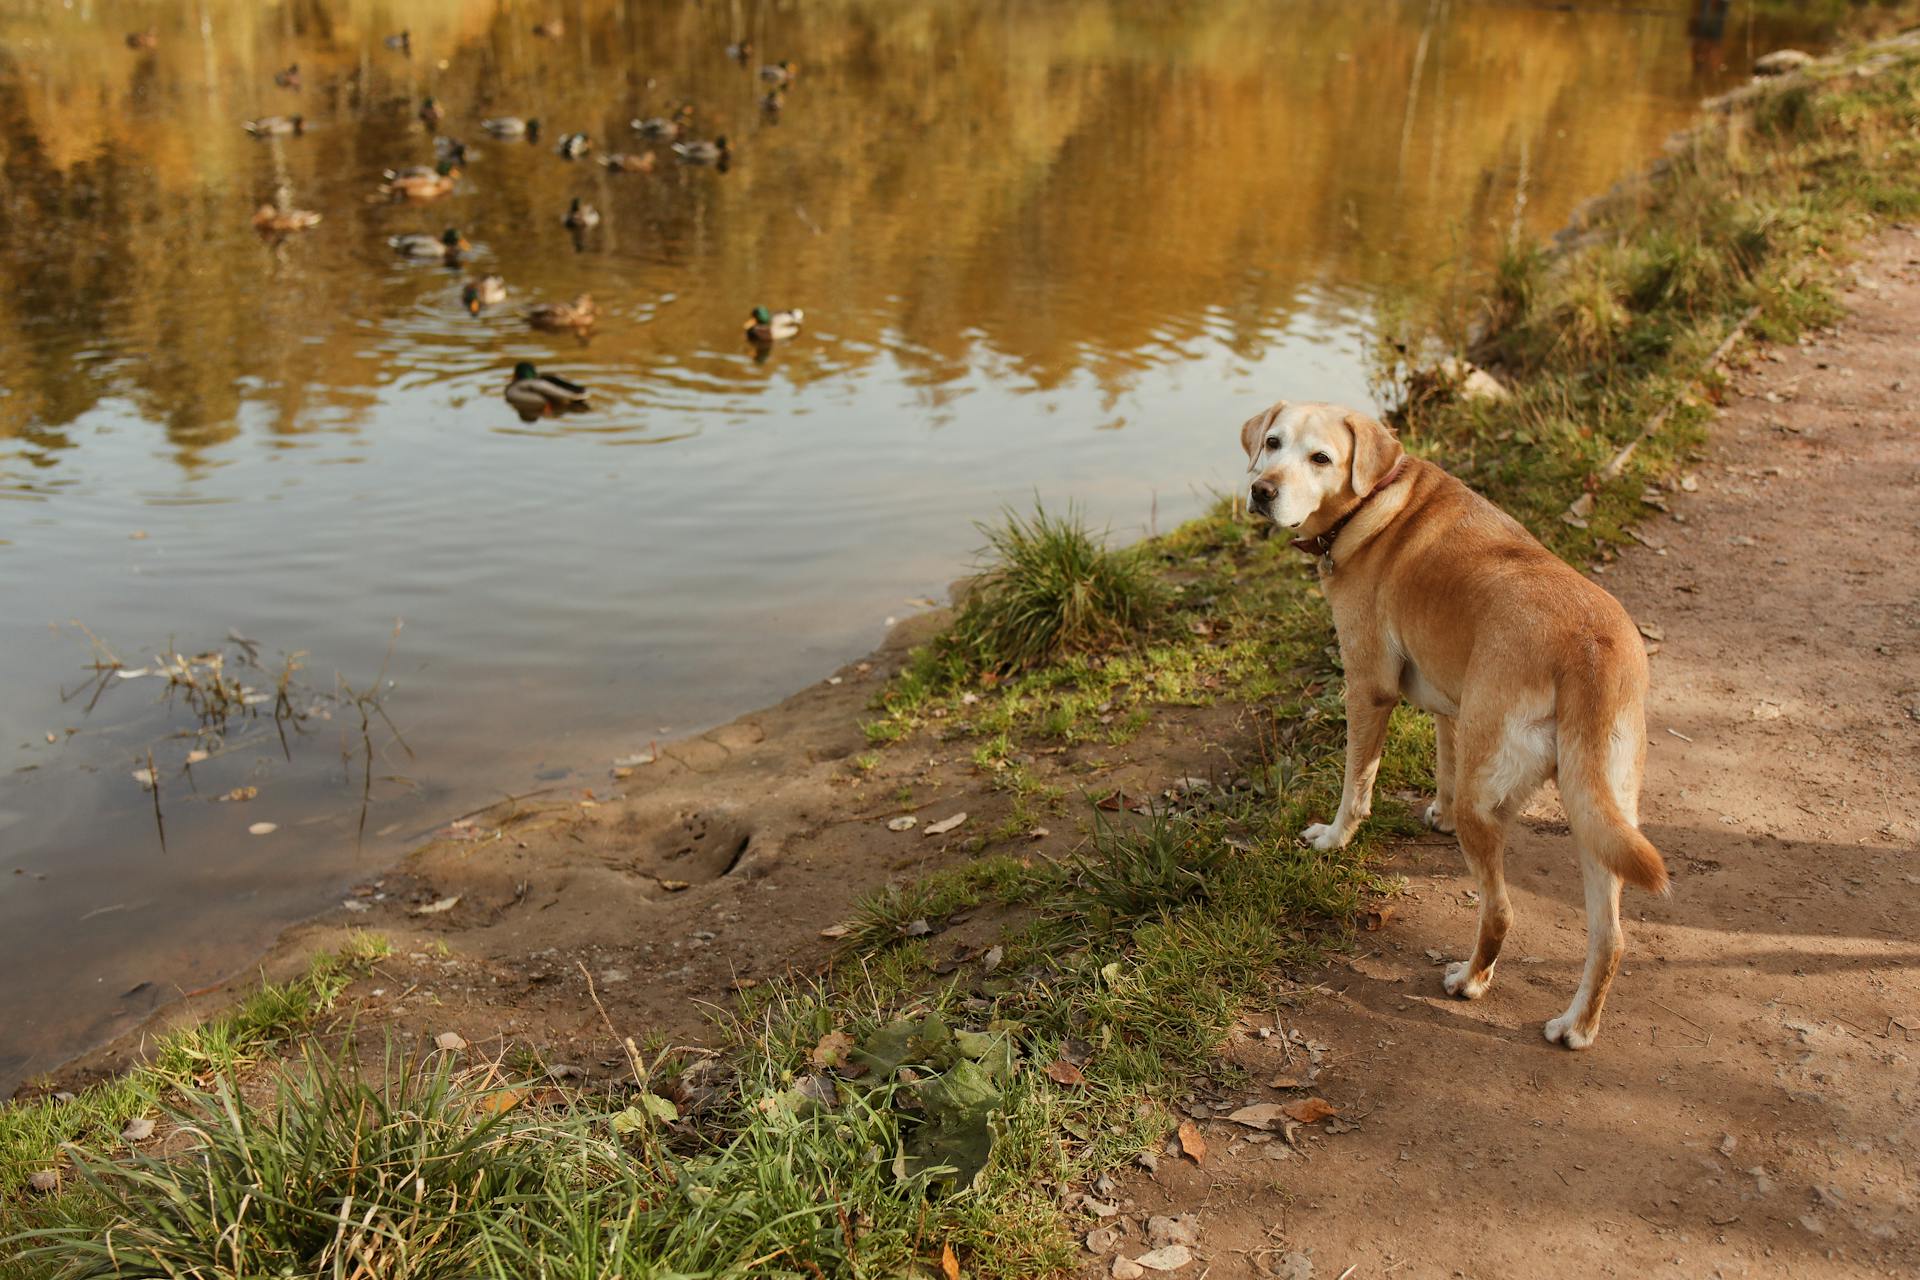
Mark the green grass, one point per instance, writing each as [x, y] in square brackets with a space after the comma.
[34, 1133]
[1128, 959]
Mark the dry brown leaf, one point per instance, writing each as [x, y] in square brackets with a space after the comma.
[1308, 1110]
[1377, 917]
[1284, 1082]
[1060, 1071]
[1192, 1145]
[836, 931]
[832, 1050]
[501, 1101]
[949, 1264]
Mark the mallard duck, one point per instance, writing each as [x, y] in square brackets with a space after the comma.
[270, 220]
[447, 147]
[741, 53]
[431, 112]
[573, 146]
[551, 29]
[703, 152]
[148, 39]
[765, 326]
[781, 72]
[773, 100]
[537, 394]
[414, 184]
[623, 162]
[578, 314]
[511, 127]
[402, 42]
[581, 217]
[288, 79]
[666, 127]
[487, 291]
[272, 126]
[449, 246]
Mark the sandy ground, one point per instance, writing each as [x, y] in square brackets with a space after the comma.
[1752, 1107]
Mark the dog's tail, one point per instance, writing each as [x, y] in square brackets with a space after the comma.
[1602, 744]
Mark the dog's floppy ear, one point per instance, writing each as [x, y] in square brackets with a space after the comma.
[1256, 427]
[1375, 451]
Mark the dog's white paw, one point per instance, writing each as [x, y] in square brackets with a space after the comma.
[1434, 820]
[1459, 981]
[1562, 1031]
[1324, 836]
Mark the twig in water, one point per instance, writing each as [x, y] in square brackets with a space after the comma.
[153, 785]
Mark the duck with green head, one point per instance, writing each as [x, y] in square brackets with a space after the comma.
[449, 246]
[764, 327]
[701, 152]
[431, 112]
[534, 394]
[487, 291]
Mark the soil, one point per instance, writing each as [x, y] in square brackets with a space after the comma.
[1750, 1107]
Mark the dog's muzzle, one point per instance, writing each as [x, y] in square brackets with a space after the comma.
[1260, 497]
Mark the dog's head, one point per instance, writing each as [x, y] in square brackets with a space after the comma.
[1311, 462]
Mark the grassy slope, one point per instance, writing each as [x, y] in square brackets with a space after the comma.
[1128, 965]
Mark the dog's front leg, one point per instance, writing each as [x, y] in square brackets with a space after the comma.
[1368, 710]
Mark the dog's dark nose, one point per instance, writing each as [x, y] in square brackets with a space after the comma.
[1264, 492]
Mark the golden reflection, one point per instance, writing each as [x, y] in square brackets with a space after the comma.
[1075, 187]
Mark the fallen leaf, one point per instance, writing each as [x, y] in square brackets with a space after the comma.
[991, 960]
[138, 1129]
[196, 756]
[945, 825]
[836, 931]
[239, 794]
[949, 1264]
[1690, 482]
[1192, 1145]
[1038, 833]
[832, 1050]
[1308, 1110]
[501, 1101]
[1284, 1082]
[263, 828]
[134, 674]
[451, 1041]
[1171, 1258]
[628, 762]
[1652, 631]
[1377, 917]
[44, 1180]
[906, 822]
[622, 771]
[1261, 1115]
[676, 886]
[1060, 1071]
[916, 928]
[565, 1071]
[436, 908]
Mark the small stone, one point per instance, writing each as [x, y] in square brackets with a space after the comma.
[1149, 1161]
[1183, 1229]
[565, 1071]
[451, 1041]
[138, 1129]
[1102, 1240]
[1727, 1143]
[1127, 1269]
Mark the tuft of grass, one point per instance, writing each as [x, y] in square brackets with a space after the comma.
[1049, 589]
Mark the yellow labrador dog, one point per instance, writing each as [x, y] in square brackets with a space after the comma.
[1530, 670]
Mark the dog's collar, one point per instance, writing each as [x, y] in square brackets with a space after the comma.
[1320, 546]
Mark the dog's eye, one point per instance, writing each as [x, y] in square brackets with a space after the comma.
[1273, 442]
[1321, 460]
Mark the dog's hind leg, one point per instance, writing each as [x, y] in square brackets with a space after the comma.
[1577, 1027]
[1500, 758]
[1439, 814]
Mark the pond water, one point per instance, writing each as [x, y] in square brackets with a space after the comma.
[1056, 250]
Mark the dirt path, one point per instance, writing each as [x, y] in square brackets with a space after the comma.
[1753, 1105]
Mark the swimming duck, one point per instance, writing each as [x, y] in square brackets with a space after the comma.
[741, 53]
[773, 101]
[148, 39]
[781, 72]
[764, 327]
[622, 162]
[666, 126]
[449, 246]
[271, 126]
[576, 315]
[581, 217]
[535, 394]
[269, 220]
[431, 112]
[414, 184]
[402, 42]
[703, 152]
[512, 127]
[573, 146]
[487, 291]
[551, 29]
[288, 79]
